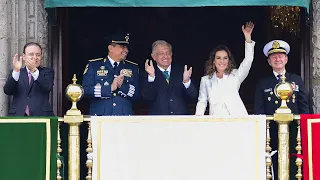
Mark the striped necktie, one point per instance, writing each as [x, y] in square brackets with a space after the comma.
[279, 77]
[166, 75]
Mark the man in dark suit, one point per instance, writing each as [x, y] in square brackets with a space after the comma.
[267, 103]
[30, 86]
[166, 87]
[111, 83]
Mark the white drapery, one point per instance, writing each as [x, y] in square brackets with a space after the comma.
[178, 147]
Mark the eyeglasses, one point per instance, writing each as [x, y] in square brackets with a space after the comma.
[164, 53]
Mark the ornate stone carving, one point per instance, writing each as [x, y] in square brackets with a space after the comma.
[42, 31]
[315, 48]
[37, 26]
[316, 99]
[4, 53]
[315, 54]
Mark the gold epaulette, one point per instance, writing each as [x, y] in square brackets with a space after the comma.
[131, 62]
[98, 59]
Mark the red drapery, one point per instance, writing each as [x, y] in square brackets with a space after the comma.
[310, 135]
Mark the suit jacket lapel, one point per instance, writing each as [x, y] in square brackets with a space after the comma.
[288, 77]
[161, 77]
[32, 81]
[25, 78]
[213, 81]
[174, 78]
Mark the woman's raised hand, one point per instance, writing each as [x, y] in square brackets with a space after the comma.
[247, 30]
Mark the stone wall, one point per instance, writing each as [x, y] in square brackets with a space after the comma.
[315, 55]
[21, 21]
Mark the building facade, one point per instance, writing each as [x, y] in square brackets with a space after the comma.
[22, 21]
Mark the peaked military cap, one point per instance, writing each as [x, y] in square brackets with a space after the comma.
[119, 38]
[276, 46]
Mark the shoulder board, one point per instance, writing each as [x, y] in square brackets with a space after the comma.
[131, 62]
[98, 59]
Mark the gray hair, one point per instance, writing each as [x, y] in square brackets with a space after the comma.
[160, 43]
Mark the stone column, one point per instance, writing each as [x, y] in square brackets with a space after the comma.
[37, 27]
[4, 53]
[21, 21]
[315, 55]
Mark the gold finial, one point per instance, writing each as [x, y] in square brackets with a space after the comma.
[127, 37]
[74, 79]
[299, 149]
[268, 151]
[74, 93]
[59, 150]
[275, 45]
[89, 161]
[283, 90]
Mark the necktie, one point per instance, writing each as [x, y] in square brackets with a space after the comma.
[279, 77]
[27, 108]
[30, 77]
[115, 65]
[166, 75]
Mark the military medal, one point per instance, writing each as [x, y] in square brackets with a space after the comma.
[126, 72]
[102, 72]
[293, 98]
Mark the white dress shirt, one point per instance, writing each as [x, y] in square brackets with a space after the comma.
[151, 79]
[276, 74]
[16, 75]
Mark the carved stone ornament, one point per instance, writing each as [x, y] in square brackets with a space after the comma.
[315, 35]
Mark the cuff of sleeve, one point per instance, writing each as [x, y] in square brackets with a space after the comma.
[250, 44]
[15, 75]
[131, 90]
[187, 84]
[151, 79]
[125, 89]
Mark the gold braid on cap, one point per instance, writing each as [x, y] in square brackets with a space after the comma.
[127, 37]
[276, 48]
[275, 45]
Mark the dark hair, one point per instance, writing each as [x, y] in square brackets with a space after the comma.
[210, 68]
[31, 44]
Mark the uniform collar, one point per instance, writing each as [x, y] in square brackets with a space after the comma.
[112, 61]
[276, 74]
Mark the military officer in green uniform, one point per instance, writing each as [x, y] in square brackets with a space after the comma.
[112, 82]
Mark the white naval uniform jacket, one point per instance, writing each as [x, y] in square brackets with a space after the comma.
[223, 94]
